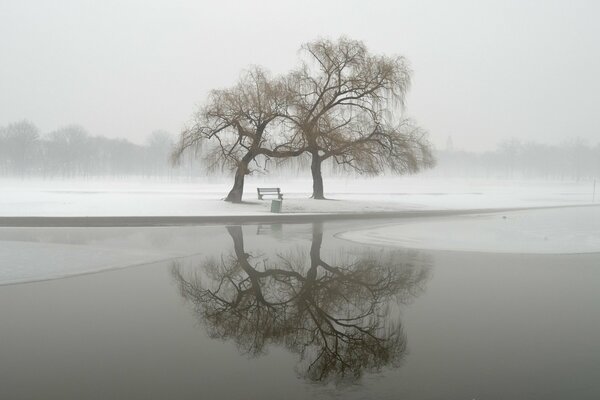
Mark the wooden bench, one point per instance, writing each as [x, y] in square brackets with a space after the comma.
[269, 191]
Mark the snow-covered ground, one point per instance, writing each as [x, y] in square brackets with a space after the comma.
[544, 231]
[126, 198]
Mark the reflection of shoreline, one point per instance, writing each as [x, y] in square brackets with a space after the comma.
[334, 315]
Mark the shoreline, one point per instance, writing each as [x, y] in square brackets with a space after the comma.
[150, 221]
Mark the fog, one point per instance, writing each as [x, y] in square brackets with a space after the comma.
[483, 71]
[300, 200]
[71, 152]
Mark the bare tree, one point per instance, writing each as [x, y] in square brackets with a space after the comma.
[67, 151]
[20, 147]
[243, 122]
[346, 103]
[159, 145]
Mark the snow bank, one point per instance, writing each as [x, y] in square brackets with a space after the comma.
[548, 231]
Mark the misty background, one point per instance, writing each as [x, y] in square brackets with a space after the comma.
[507, 89]
[71, 152]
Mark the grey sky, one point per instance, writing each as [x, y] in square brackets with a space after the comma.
[483, 71]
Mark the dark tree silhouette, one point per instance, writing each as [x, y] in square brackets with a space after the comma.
[343, 103]
[347, 104]
[335, 316]
[243, 122]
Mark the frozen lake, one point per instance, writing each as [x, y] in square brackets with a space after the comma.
[290, 311]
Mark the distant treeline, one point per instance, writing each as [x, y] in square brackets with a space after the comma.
[70, 152]
[574, 159]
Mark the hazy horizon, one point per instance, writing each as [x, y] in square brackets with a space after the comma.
[483, 72]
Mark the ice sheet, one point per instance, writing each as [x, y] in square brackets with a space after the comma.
[28, 261]
[549, 231]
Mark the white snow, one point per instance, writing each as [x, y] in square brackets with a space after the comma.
[548, 231]
[126, 198]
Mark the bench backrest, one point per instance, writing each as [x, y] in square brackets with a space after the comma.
[268, 190]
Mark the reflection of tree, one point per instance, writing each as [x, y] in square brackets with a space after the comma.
[335, 317]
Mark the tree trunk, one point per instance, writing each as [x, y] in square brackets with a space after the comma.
[236, 192]
[317, 176]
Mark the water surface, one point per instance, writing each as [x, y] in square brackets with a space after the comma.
[290, 311]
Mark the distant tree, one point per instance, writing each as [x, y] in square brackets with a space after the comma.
[509, 152]
[159, 147]
[4, 153]
[346, 103]
[579, 156]
[125, 157]
[242, 122]
[20, 142]
[70, 151]
[67, 150]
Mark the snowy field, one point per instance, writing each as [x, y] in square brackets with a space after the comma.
[146, 198]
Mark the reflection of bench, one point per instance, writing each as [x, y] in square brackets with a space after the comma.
[269, 191]
[272, 229]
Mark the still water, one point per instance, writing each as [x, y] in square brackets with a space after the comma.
[291, 311]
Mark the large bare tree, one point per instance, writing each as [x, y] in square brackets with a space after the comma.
[242, 123]
[342, 103]
[347, 104]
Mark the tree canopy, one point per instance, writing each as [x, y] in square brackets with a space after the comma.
[341, 103]
[243, 122]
